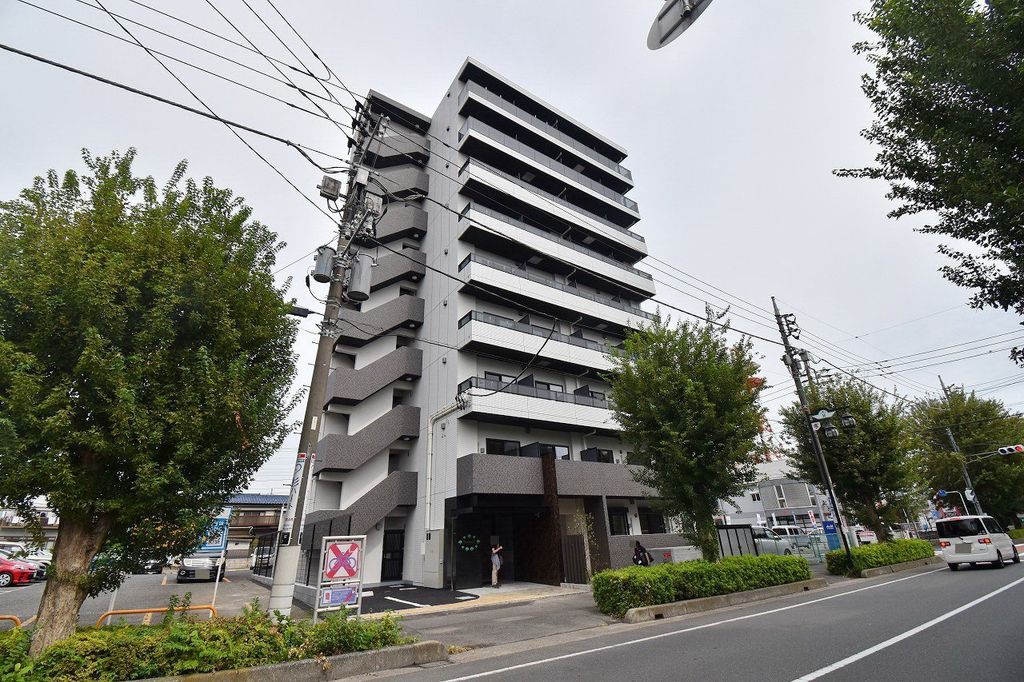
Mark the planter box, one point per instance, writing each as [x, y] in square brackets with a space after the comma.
[642, 614]
[332, 668]
[894, 568]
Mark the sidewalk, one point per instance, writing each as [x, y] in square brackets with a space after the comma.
[488, 598]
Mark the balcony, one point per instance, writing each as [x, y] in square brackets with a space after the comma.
[395, 267]
[344, 452]
[501, 474]
[404, 182]
[570, 142]
[398, 316]
[561, 249]
[352, 386]
[522, 149]
[549, 203]
[521, 341]
[542, 288]
[521, 405]
[398, 222]
[397, 150]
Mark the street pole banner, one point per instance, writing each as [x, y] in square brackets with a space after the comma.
[340, 584]
[293, 496]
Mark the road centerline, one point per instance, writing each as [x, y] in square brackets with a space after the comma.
[820, 672]
[703, 626]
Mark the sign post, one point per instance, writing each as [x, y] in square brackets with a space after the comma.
[340, 583]
[831, 534]
[217, 540]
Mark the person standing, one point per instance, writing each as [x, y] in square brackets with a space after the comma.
[641, 557]
[495, 564]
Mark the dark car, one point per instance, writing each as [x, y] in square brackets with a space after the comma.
[152, 566]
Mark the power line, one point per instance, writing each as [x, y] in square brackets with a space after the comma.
[935, 350]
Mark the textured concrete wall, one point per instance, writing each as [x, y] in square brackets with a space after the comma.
[350, 386]
[393, 150]
[399, 316]
[397, 490]
[405, 181]
[620, 547]
[483, 474]
[395, 267]
[598, 478]
[343, 452]
[400, 221]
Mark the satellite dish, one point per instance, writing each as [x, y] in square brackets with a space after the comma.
[674, 17]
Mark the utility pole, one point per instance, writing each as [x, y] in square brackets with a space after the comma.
[963, 462]
[354, 216]
[819, 455]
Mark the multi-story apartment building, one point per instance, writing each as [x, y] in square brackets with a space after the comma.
[466, 405]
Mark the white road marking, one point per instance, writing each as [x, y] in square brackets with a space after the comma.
[406, 589]
[402, 601]
[690, 629]
[466, 596]
[367, 593]
[164, 581]
[899, 638]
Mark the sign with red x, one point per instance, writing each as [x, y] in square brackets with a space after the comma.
[341, 561]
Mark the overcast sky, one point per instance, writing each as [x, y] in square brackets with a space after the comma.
[733, 132]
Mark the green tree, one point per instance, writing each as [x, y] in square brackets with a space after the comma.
[145, 361]
[948, 95]
[979, 425]
[687, 401]
[873, 466]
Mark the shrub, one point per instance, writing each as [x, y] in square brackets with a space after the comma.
[882, 554]
[182, 645]
[618, 591]
[1016, 534]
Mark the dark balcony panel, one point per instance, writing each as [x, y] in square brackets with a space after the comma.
[397, 490]
[352, 386]
[398, 316]
[596, 478]
[382, 105]
[498, 474]
[344, 452]
[404, 182]
[399, 222]
[397, 150]
[391, 267]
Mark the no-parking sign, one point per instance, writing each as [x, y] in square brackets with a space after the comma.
[342, 560]
[341, 574]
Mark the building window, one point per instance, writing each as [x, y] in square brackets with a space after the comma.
[755, 497]
[542, 449]
[503, 378]
[496, 446]
[597, 455]
[618, 521]
[651, 521]
[780, 494]
[545, 386]
[597, 394]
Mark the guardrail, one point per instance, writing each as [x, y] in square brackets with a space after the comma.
[13, 619]
[163, 609]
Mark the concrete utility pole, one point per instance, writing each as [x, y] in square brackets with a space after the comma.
[354, 217]
[963, 462]
[819, 455]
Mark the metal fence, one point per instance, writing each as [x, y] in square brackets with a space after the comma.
[736, 540]
[265, 549]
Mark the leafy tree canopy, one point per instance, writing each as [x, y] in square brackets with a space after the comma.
[145, 360]
[687, 402]
[979, 425]
[873, 467]
[948, 94]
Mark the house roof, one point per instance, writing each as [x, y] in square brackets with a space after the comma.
[253, 498]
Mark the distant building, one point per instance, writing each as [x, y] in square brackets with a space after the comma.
[12, 526]
[251, 517]
[776, 500]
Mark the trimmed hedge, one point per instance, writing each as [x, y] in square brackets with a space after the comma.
[882, 554]
[1016, 534]
[182, 645]
[615, 592]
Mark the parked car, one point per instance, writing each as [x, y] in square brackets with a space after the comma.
[200, 566]
[866, 537]
[150, 566]
[974, 539]
[19, 550]
[769, 542]
[15, 572]
[788, 531]
[38, 569]
[264, 556]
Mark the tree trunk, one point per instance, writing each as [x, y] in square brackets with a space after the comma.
[78, 541]
[706, 536]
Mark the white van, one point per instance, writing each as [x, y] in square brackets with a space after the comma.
[974, 539]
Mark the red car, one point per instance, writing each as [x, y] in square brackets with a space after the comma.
[15, 573]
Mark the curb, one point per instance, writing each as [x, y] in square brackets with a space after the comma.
[895, 568]
[642, 614]
[331, 668]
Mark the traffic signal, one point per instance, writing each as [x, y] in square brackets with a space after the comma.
[1011, 450]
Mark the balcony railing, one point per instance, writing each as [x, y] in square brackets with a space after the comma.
[545, 160]
[507, 106]
[499, 321]
[531, 391]
[550, 197]
[519, 272]
[551, 236]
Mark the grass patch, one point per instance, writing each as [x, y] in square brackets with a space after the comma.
[873, 556]
[615, 592]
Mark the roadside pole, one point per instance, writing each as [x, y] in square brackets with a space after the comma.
[220, 570]
[819, 455]
[963, 462]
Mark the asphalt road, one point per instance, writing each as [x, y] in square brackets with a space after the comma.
[931, 624]
[143, 591]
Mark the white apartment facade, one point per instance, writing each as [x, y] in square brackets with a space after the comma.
[466, 405]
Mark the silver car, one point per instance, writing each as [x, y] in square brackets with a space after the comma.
[770, 542]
